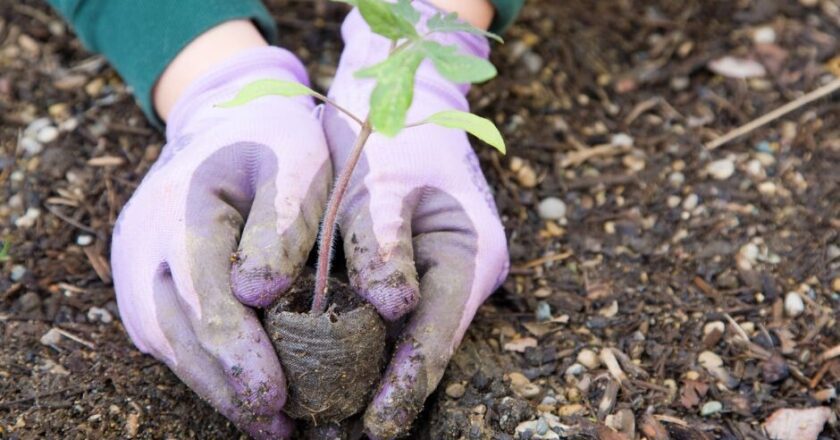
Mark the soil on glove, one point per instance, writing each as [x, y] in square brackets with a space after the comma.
[605, 106]
[332, 360]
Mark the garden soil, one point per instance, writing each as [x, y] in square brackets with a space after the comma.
[658, 287]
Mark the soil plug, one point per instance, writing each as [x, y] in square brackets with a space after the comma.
[332, 351]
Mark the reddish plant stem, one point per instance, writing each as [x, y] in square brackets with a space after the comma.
[325, 246]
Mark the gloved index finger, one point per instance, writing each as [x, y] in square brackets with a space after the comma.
[459, 263]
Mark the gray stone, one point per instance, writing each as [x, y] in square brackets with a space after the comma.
[552, 208]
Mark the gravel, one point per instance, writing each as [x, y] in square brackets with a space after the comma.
[552, 208]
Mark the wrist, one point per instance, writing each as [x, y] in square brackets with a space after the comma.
[222, 82]
[202, 55]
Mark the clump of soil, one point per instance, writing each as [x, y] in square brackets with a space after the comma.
[332, 360]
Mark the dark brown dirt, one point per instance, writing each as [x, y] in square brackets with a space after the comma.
[332, 360]
[573, 75]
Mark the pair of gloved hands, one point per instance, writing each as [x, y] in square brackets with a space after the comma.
[227, 216]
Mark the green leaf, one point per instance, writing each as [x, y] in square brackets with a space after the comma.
[7, 247]
[384, 20]
[404, 9]
[441, 22]
[477, 126]
[394, 90]
[458, 68]
[349, 2]
[267, 87]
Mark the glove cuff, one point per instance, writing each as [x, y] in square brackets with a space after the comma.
[224, 81]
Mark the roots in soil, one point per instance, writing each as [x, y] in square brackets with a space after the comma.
[332, 360]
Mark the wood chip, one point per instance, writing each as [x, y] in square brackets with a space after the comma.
[608, 358]
[99, 264]
[106, 161]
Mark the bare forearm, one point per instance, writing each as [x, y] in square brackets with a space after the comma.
[208, 50]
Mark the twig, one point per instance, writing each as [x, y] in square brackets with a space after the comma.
[818, 93]
[69, 220]
[576, 158]
[76, 390]
[831, 353]
[546, 259]
[69, 335]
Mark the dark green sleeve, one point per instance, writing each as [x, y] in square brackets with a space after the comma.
[506, 12]
[141, 37]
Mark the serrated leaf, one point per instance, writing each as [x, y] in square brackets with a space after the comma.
[475, 125]
[394, 90]
[384, 20]
[404, 9]
[456, 67]
[441, 22]
[267, 87]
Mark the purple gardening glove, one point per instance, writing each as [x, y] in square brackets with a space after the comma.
[421, 231]
[225, 218]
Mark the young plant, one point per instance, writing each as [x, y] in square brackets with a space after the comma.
[391, 98]
[5, 248]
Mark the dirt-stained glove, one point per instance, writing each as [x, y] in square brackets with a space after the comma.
[421, 231]
[224, 220]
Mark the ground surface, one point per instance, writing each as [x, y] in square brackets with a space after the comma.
[652, 247]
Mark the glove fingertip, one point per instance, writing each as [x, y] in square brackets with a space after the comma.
[257, 287]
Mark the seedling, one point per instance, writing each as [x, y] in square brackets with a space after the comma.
[390, 100]
[5, 248]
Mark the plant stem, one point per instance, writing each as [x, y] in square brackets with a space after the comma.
[329, 101]
[325, 246]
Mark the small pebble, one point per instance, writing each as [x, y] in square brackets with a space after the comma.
[552, 208]
[588, 359]
[673, 201]
[455, 390]
[28, 219]
[712, 326]
[30, 146]
[835, 284]
[35, 126]
[833, 252]
[575, 369]
[676, 179]
[98, 314]
[94, 88]
[543, 312]
[793, 304]
[721, 169]
[529, 430]
[690, 202]
[533, 62]
[711, 407]
[764, 35]
[621, 140]
[542, 426]
[18, 271]
[84, 240]
[527, 177]
[51, 337]
[16, 201]
[47, 134]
